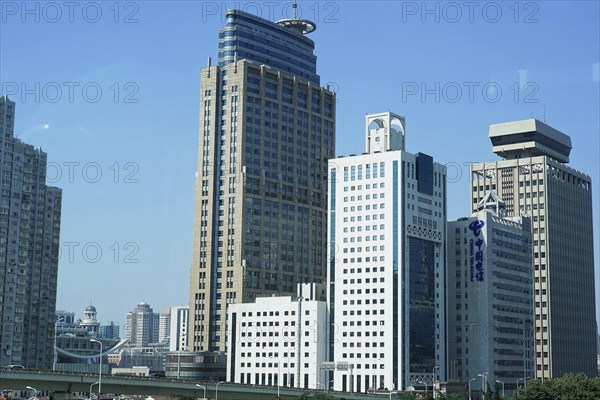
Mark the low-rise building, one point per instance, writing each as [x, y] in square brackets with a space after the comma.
[279, 341]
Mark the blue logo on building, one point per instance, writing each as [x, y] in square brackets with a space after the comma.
[476, 257]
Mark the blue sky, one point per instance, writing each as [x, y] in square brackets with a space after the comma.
[111, 91]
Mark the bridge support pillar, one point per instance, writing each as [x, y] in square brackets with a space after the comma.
[62, 396]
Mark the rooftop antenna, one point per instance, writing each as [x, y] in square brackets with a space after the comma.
[295, 7]
[544, 113]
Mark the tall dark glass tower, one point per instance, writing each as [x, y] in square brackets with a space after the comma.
[267, 131]
[29, 244]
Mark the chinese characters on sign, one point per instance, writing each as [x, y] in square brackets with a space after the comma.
[476, 256]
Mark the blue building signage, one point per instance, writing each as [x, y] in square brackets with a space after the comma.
[476, 255]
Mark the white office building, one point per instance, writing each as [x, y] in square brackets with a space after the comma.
[490, 297]
[178, 328]
[279, 341]
[386, 272]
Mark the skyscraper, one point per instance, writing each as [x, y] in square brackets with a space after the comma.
[29, 244]
[142, 326]
[534, 180]
[266, 133]
[387, 263]
[490, 296]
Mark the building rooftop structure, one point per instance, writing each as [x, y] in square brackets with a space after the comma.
[529, 138]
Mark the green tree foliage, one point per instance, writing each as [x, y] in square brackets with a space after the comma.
[569, 387]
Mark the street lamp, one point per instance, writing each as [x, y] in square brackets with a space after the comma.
[483, 381]
[34, 391]
[217, 390]
[502, 386]
[470, 380]
[527, 377]
[424, 383]
[100, 370]
[204, 388]
[55, 334]
[95, 383]
[319, 383]
[518, 382]
[433, 382]
[330, 384]
[278, 374]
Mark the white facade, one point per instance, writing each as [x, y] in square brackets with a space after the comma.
[179, 328]
[386, 273]
[279, 341]
[164, 326]
[142, 326]
[490, 299]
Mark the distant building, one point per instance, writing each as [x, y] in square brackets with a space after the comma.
[164, 326]
[142, 326]
[30, 214]
[534, 180]
[179, 328]
[387, 263]
[110, 331]
[74, 350]
[279, 340]
[490, 297]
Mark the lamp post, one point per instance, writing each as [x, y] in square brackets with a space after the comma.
[424, 383]
[433, 381]
[518, 382]
[95, 383]
[483, 380]
[319, 383]
[525, 384]
[502, 386]
[34, 391]
[100, 369]
[278, 374]
[330, 383]
[470, 380]
[217, 390]
[204, 388]
[55, 361]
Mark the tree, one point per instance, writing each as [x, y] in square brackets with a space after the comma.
[568, 387]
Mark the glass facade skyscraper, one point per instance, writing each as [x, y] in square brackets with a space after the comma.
[246, 36]
[267, 131]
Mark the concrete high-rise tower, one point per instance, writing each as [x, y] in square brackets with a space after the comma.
[29, 244]
[142, 326]
[387, 263]
[267, 130]
[534, 180]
